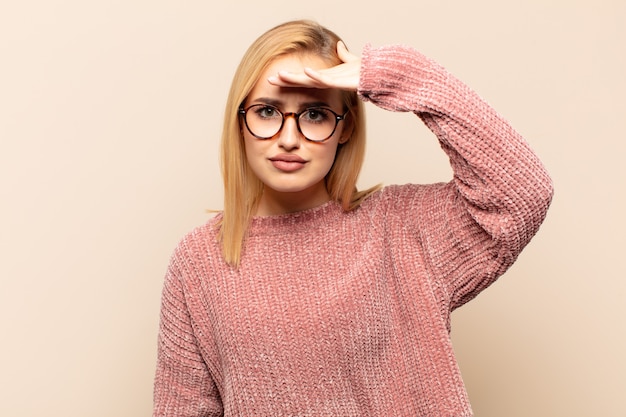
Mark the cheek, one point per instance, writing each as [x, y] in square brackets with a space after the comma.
[328, 156]
[252, 152]
[251, 147]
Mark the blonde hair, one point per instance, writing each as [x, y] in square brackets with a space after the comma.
[242, 189]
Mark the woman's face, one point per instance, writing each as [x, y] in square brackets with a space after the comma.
[291, 167]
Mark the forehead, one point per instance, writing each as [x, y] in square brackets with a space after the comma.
[294, 63]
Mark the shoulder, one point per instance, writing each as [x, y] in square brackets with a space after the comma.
[199, 242]
[398, 197]
[414, 207]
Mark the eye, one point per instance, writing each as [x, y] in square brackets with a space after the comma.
[266, 112]
[316, 115]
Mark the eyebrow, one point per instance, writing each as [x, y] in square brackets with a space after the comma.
[279, 103]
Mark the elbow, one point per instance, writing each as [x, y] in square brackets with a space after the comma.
[545, 194]
[533, 212]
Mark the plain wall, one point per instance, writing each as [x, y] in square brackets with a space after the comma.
[110, 114]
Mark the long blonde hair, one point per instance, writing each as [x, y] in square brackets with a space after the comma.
[242, 189]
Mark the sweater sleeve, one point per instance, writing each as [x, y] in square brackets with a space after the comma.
[473, 228]
[183, 386]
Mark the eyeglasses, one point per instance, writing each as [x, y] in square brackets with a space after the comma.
[316, 124]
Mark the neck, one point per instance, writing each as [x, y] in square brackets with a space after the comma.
[274, 203]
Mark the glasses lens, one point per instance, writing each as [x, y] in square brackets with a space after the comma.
[317, 123]
[263, 121]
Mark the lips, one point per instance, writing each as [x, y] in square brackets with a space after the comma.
[287, 162]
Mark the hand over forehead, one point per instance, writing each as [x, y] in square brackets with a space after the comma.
[344, 76]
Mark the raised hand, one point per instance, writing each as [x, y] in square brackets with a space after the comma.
[344, 76]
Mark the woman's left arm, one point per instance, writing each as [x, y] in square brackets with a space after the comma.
[499, 182]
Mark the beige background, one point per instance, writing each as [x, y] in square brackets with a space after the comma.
[110, 113]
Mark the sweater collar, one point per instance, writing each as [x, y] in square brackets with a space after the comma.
[301, 220]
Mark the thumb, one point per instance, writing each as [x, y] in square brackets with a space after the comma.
[344, 54]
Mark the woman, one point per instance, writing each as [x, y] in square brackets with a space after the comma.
[306, 297]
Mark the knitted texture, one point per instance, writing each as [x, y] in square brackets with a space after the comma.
[335, 313]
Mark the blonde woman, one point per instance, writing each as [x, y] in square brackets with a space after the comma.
[308, 297]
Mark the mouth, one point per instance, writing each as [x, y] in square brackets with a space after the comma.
[287, 162]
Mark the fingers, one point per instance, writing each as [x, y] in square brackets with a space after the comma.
[320, 79]
[309, 78]
[344, 77]
[292, 79]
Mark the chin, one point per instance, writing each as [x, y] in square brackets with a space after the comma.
[288, 190]
[306, 188]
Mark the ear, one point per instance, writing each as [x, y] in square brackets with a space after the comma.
[348, 129]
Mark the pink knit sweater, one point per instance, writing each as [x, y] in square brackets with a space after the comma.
[347, 314]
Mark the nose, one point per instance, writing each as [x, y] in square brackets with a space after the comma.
[289, 137]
